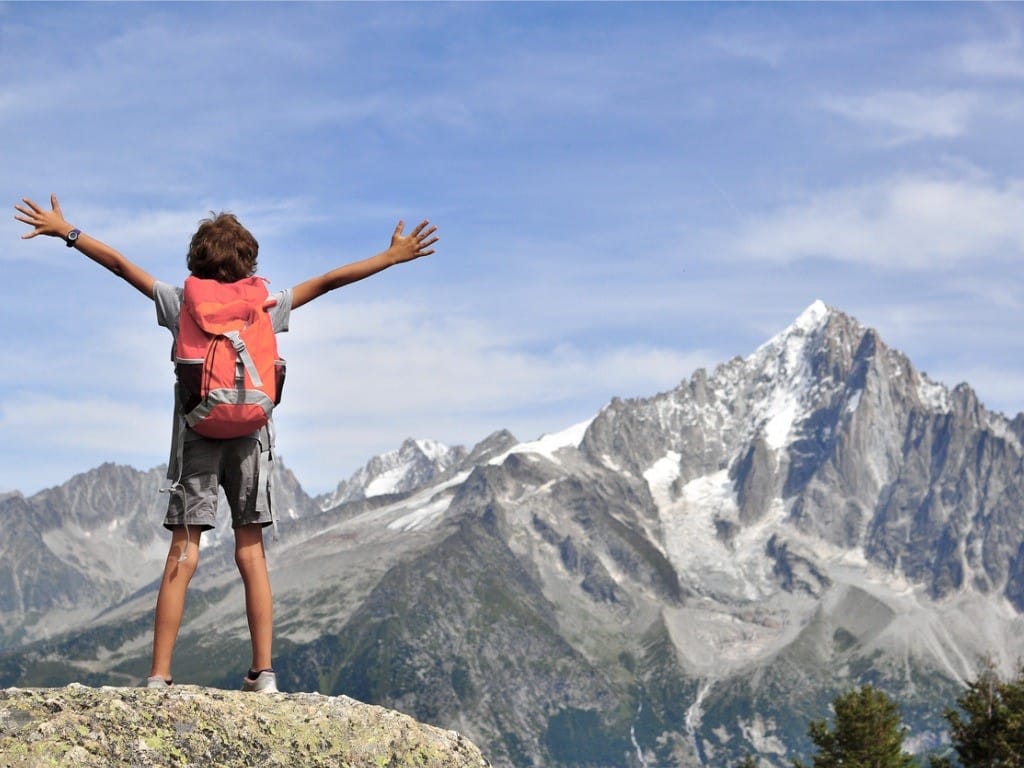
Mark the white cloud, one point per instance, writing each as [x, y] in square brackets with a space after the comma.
[999, 58]
[909, 115]
[993, 59]
[381, 357]
[374, 374]
[93, 426]
[755, 45]
[907, 222]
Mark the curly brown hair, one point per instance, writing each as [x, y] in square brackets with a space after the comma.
[222, 249]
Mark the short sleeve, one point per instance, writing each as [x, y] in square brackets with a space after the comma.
[281, 312]
[167, 299]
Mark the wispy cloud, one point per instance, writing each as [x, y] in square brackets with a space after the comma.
[76, 432]
[1005, 60]
[996, 55]
[413, 358]
[751, 43]
[396, 368]
[906, 222]
[906, 116]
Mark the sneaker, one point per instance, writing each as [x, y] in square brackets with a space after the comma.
[264, 682]
[158, 682]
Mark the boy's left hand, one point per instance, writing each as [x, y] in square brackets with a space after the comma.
[43, 222]
[414, 245]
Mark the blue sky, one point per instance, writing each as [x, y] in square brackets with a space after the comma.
[625, 193]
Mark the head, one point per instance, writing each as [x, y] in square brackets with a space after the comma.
[222, 249]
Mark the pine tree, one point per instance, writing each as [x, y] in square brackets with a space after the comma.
[868, 733]
[1013, 699]
[990, 733]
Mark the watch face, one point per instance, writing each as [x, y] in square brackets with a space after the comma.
[73, 235]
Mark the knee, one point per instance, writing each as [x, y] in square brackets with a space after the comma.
[250, 558]
[183, 554]
[180, 567]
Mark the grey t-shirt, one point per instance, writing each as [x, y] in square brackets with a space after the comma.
[167, 299]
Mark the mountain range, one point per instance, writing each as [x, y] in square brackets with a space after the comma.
[684, 579]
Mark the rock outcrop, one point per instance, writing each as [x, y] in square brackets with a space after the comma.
[195, 726]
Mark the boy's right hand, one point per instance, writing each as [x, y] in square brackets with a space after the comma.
[43, 222]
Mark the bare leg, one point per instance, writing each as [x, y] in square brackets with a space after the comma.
[170, 602]
[251, 560]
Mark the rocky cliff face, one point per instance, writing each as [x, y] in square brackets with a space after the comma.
[682, 580]
[111, 727]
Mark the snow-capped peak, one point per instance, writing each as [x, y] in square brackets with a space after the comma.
[783, 363]
[807, 323]
[548, 444]
[432, 449]
[413, 464]
[813, 317]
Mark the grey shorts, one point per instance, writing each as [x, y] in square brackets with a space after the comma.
[234, 465]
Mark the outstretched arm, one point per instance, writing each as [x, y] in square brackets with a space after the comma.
[53, 224]
[403, 248]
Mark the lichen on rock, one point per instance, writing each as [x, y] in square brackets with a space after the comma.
[195, 726]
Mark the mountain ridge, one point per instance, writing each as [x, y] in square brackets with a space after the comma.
[817, 506]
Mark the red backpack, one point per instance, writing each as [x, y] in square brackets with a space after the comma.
[225, 357]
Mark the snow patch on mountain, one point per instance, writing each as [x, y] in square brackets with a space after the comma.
[933, 395]
[411, 466]
[389, 481]
[761, 735]
[1000, 427]
[690, 523]
[548, 445]
[783, 361]
[422, 516]
[423, 509]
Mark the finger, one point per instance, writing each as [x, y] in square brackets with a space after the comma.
[398, 228]
[428, 243]
[420, 226]
[54, 204]
[427, 232]
[35, 208]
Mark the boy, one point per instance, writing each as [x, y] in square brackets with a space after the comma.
[223, 250]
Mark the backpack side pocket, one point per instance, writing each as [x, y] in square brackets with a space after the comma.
[280, 369]
[190, 382]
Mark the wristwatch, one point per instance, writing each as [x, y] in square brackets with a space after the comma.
[72, 237]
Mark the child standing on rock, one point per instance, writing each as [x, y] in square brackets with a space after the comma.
[223, 251]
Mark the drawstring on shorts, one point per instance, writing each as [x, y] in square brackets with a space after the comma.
[264, 474]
